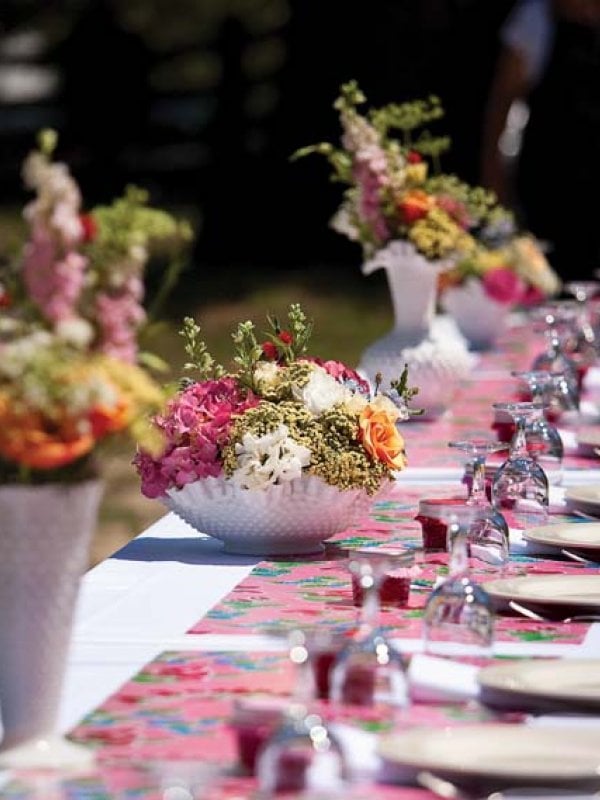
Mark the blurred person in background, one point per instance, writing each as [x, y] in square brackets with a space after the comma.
[546, 88]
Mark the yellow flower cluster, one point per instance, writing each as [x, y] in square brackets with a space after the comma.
[436, 235]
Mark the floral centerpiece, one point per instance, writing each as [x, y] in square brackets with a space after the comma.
[71, 371]
[280, 453]
[483, 285]
[414, 221]
[71, 376]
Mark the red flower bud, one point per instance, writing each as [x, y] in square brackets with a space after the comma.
[286, 337]
[5, 298]
[413, 157]
[89, 227]
[270, 351]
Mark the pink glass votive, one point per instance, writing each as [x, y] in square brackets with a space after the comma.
[359, 685]
[254, 720]
[432, 515]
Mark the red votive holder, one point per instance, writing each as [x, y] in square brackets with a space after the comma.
[433, 513]
[394, 590]
[254, 720]
[504, 426]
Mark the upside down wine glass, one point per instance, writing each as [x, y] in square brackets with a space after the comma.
[459, 611]
[520, 485]
[558, 319]
[302, 755]
[544, 442]
[587, 345]
[368, 671]
[487, 528]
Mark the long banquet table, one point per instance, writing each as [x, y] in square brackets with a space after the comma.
[169, 630]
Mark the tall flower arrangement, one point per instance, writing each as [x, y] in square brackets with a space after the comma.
[71, 312]
[396, 191]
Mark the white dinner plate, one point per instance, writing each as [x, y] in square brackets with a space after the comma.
[516, 753]
[587, 498]
[588, 442]
[580, 591]
[582, 535]
[571, 682]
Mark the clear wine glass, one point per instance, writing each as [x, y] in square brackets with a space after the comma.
[302, 755]
[488, 535]
[520, 485]
[544, 442]
[587, 342]
[368, 671]
[458, 611]
[558, 320]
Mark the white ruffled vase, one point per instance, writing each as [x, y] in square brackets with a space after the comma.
[45, 535]
[479, 317]
[436, 363]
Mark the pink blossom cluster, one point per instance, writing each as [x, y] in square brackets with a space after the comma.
[196, 425]
[455, 209]
[504, 286]
[53, 270]
[54, 282]
[370, 170]
[119, 315]
[369, 181]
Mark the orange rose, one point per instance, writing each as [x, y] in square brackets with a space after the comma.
[414, 205]
[380, 437]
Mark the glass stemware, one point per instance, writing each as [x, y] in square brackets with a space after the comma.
[302, 754]
[544, 442]
[458, 611]
[587, 344]
[558, 319]
[520, 485]
[487, 529]
[368, 671]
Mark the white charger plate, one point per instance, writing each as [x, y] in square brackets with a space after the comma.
[515, 753]
[587, 498]
[581, 535]
[588, 442]
[574, 682]
[580, 591]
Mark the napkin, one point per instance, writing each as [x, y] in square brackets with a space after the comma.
[438, 680]
[520, 546]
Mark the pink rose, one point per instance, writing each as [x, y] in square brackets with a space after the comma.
[503, 285]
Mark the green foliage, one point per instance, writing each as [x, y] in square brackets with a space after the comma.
[248, 352]
[196, 350]
[406, 117]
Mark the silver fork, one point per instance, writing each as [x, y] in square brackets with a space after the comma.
[527, 612]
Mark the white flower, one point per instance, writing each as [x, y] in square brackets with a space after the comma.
[77, 332]
[270, 459]
[322, 392]
[16, 356]
[266, 373]
[342, 222]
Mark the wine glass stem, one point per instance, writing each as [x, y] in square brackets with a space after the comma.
[369, 612]
[458, 562]
[519, 442]
[477, 496]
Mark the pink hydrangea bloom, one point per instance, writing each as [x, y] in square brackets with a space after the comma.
[196, 425]
[503, 285]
